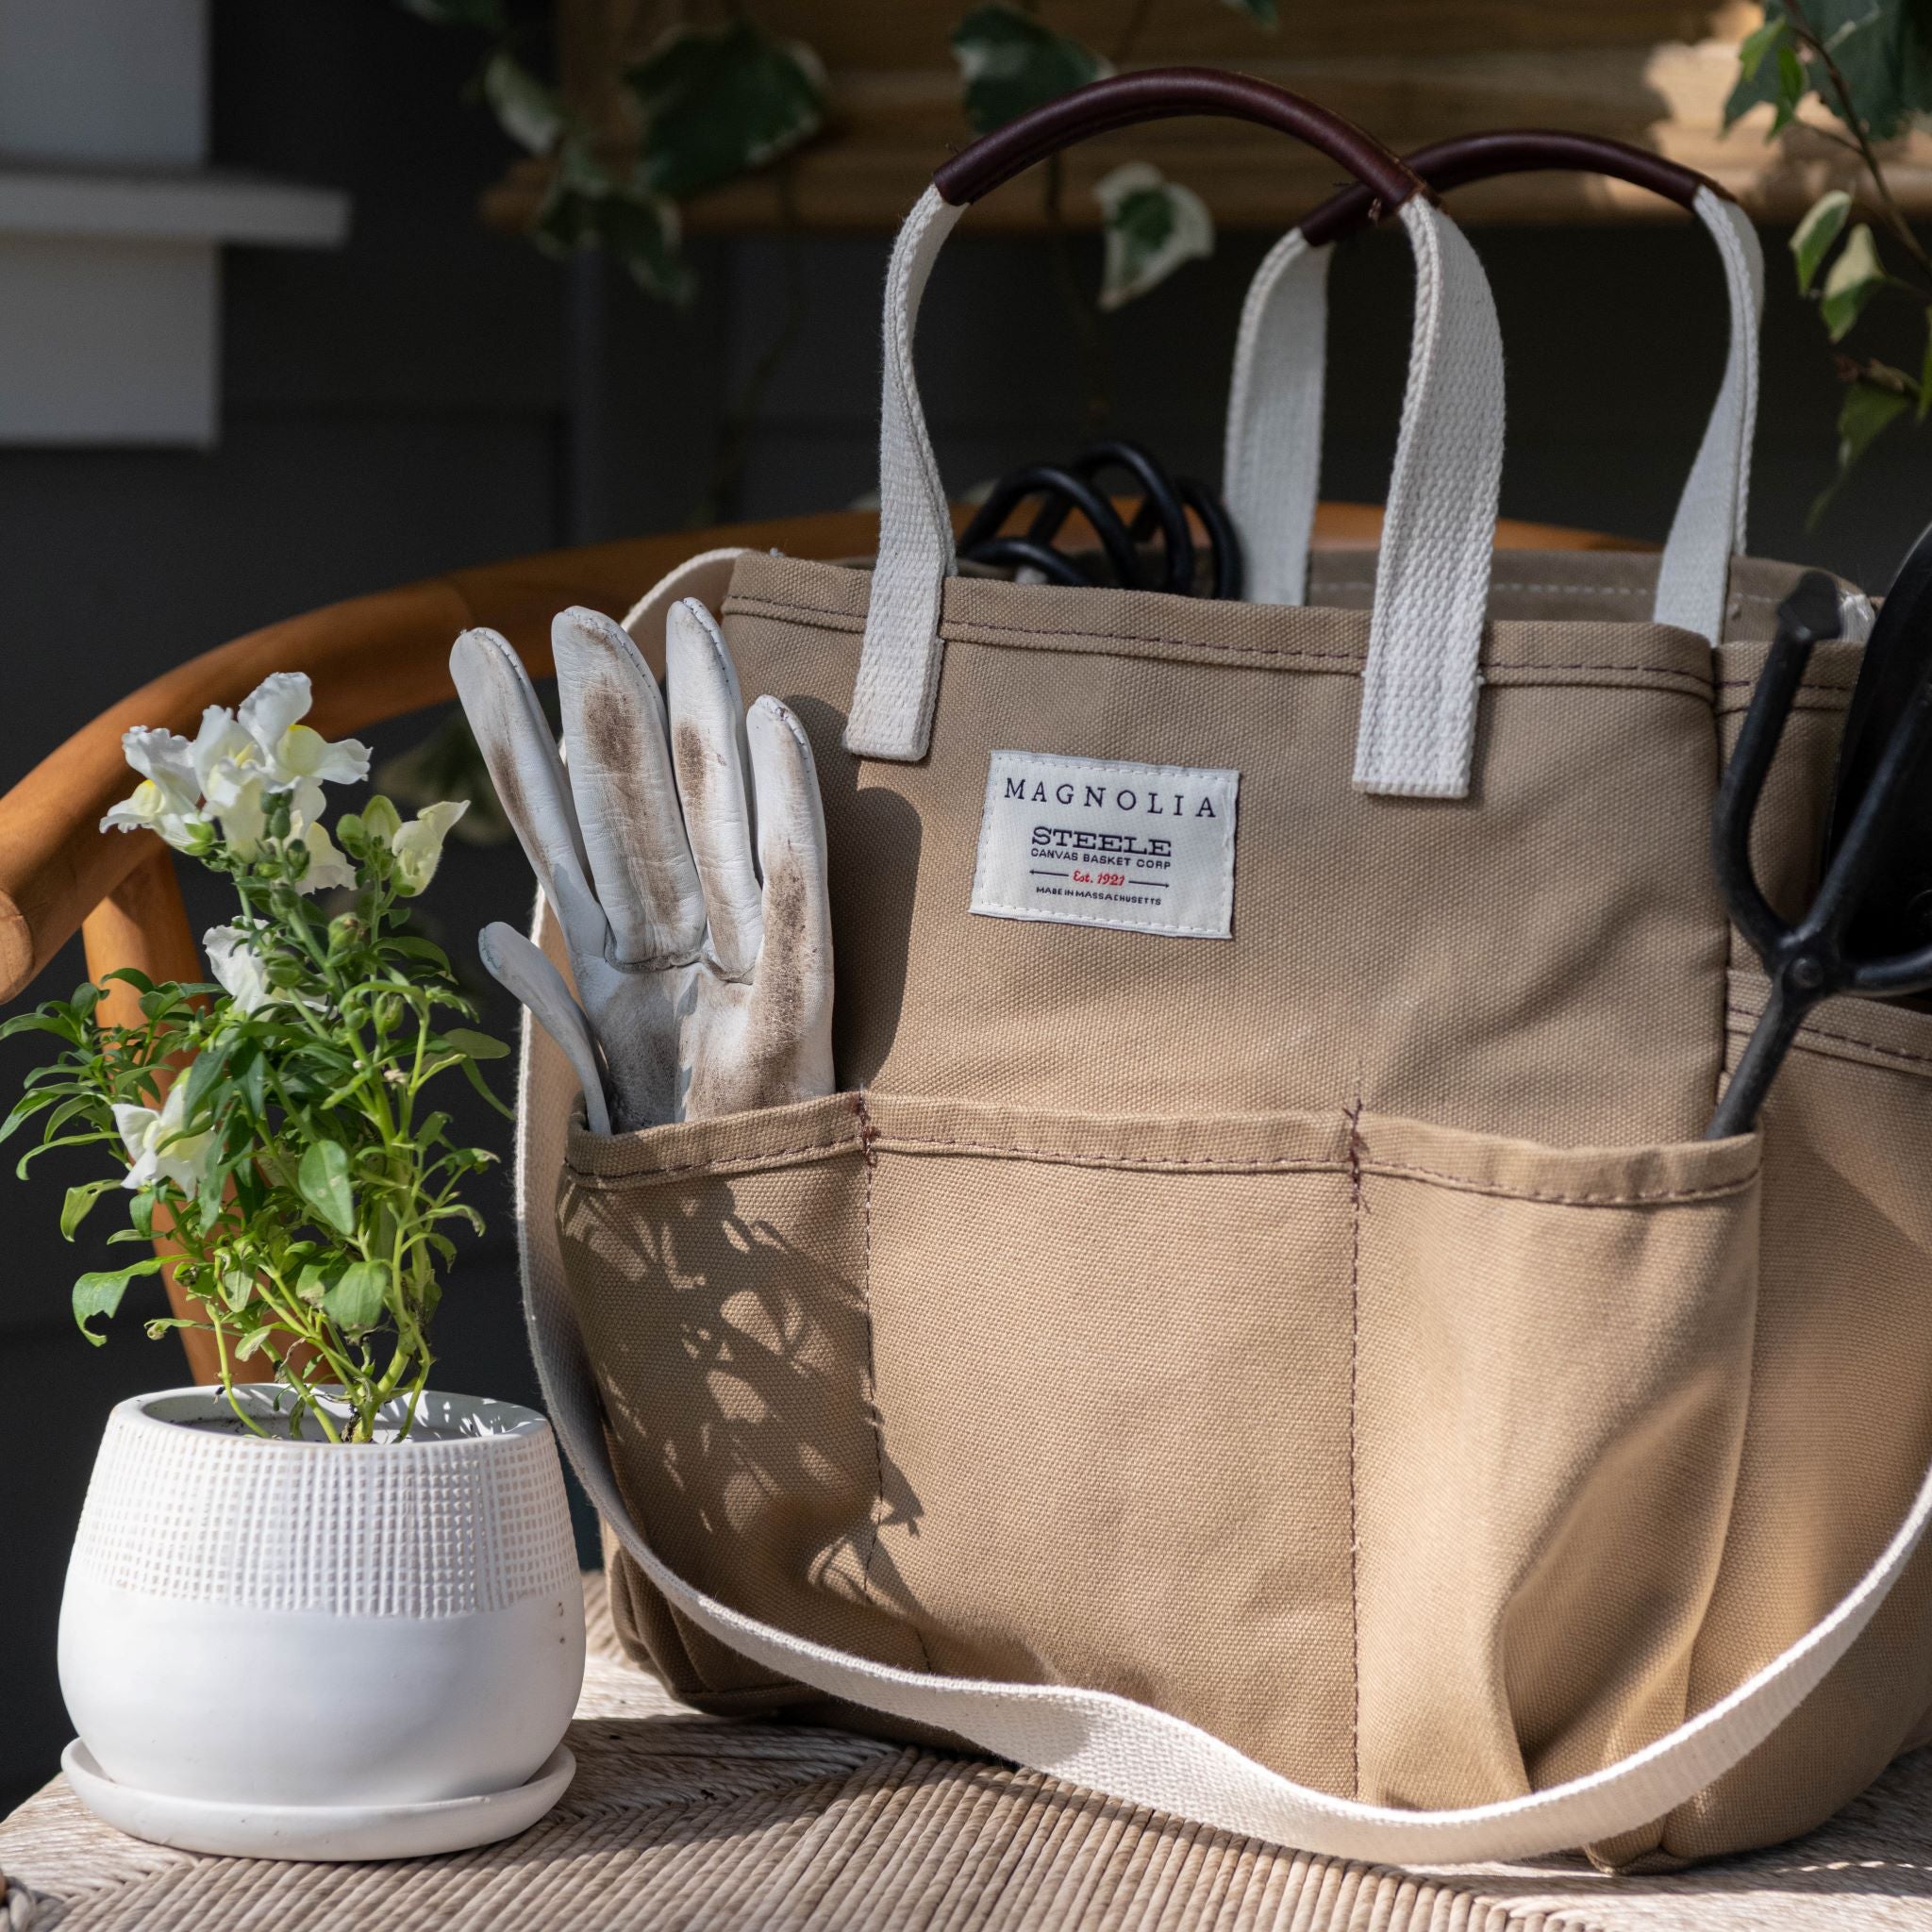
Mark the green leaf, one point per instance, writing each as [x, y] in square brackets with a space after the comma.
[24, 1108]
[74, 1209]
[1152, 225]
[1010, 62]
[100, 1294]
[1759, 79]
[479, 1046]
[525, 109]
[1758, 43]
[1813, 237]
[721, 103]
[140, 1213]
[643, 233]
[42, 1021]
[1881, 47]
[1866, 412]
[472, 1073]
[584, 208]
[204, 1073]
[254, 1341]
[237, 1283]
[1791, 82]
[1855, 277]
[356, 1301]
[324, 1179]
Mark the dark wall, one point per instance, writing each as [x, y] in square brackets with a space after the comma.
[406, 405]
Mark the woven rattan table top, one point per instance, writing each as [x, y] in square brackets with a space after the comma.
[681, 1821]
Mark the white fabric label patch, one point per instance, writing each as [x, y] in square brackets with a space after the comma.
[1100, 841]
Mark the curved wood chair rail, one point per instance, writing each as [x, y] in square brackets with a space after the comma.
[371, 658]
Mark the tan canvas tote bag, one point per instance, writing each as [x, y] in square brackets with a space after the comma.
[1260, 1333]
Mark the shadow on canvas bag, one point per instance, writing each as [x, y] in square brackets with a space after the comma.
[1260, 1334]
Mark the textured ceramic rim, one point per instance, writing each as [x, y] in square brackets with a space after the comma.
[172, 1408]
[327, 1832]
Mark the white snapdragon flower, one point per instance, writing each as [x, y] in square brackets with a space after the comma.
[238, 966]
[291, 750]
[244, 759]
[327, 867]
[233, 770]
[167, 800]
[418, 845]
[158, 1149]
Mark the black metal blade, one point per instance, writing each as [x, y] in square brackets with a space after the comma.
[1895, 915]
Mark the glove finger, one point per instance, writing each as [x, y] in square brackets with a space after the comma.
[708, 748]
[794, 971]
[524, 970]
[520, 754]
[626, 798]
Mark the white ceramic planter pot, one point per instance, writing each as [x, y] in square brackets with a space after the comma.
[301, 1624]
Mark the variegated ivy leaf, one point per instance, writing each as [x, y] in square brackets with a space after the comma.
[524, 109]
[1855, 277]
[1882, 48]
[1813, 240]
[1867, 412]
[718, 103]
[584, 208]
[643, 231]
[1010, 62]
[1152, 225]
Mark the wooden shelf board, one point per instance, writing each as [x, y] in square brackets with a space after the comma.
[1604, 69]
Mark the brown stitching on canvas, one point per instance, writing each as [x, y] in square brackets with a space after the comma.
[868, 1145]
[870, 1138]
[1354, 1541]
[1834, 690]
[738, 1163]
[1153, 1164]
[1746, 1020]
[960, 631]
[1662, 1198]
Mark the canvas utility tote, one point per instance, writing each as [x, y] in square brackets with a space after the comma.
[1260, 1333]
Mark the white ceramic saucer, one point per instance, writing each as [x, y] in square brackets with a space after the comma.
[325, 1832]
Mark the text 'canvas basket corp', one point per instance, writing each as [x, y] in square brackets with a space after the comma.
[1260, 1333]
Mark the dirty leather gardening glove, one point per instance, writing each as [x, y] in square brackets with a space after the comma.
[692, 905]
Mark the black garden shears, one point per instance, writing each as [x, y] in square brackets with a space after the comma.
[1810, 962]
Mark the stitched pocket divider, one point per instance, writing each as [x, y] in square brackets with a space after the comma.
[1399, 1458]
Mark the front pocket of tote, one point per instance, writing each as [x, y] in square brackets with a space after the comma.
[718, 1272]
[1841, 1416]
[1553, 1379]
[1216, 1414]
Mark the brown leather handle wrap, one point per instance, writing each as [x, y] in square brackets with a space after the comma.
[1447, 164]
[1160, 94]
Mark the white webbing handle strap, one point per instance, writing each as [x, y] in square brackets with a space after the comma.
[1129, 1750]
[1693, 579]
[1417, 734]
[1271, 462]
[1273, 453]
[899, 668]
[1433, 582]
